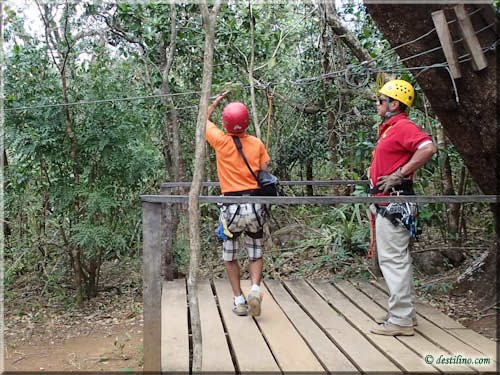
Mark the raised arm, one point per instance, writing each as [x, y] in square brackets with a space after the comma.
[216, 102]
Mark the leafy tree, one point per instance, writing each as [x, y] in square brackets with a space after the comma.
[77, 164]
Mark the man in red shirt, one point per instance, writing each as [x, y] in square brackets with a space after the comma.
[402, 148]
[235, 178]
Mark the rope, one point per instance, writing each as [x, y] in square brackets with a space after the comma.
[371, 251]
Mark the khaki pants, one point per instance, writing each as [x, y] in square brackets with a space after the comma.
[396, 266]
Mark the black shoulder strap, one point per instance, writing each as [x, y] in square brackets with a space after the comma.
[237, 142]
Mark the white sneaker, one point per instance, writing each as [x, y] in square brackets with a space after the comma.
[385, 318]
[240, 309]
[254, 299]
[390, 329]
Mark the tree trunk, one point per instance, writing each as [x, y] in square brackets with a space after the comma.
[471, 124]
[448, 189]
[174, 162]
[309, 177]
[209, 21]
[456, 257]
[59, 47]
[5, 226]
[326, 49]
[250, 73]
[171, 130]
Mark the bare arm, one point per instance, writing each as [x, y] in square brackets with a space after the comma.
[216, 102]
[419, 158]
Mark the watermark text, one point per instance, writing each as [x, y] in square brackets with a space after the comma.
[458, 359]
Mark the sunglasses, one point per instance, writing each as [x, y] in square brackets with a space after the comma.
[383, 100]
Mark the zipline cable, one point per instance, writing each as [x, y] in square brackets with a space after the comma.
[366, 71]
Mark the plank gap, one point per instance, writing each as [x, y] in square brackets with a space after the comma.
[190, 331]
[428, 329]
[354, 325]
[298, 331]
[267, 343]
[224, 326]
[339, 347]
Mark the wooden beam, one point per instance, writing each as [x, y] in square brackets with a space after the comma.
[470, 38]
[151, 231]
[327, 200]
[444, 36]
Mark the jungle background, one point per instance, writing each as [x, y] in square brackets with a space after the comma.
[100, 106]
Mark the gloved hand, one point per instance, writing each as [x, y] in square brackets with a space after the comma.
[386, 183]
[220, 233]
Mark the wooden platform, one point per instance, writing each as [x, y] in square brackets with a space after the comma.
[311, 327]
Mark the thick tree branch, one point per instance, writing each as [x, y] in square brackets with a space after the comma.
[346, 36]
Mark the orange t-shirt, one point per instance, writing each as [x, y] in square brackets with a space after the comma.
[231, 169]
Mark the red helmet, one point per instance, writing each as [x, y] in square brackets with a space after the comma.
[235, 117]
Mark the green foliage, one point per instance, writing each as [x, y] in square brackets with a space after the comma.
[88, 201]
[65, 196]
[343, 231]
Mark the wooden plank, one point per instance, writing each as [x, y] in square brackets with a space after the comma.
[329, 355]
[484, 345]
[400, 354]
[434, 333]
[216, 354]
[289, 349]
[470, 38]
[451, 344]
[359, 350]
[249, 347]
[174, 330]
[439, 19]
[151, 232]
[423, 309]
[418, 343]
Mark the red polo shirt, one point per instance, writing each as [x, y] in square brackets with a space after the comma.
[399, 138]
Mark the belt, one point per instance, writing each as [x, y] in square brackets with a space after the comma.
[242, 193]
[405, 188]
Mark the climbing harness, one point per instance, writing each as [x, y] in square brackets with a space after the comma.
[401, 214]
[222, 231]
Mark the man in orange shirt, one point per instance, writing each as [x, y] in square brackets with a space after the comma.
[236, 179]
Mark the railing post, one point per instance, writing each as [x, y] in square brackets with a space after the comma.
[167, 247]
[152, 282]
[168, 241]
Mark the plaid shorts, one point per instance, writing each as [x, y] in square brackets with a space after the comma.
[248, 218]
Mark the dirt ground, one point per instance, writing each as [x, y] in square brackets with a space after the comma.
[106, 334]
[116, 347]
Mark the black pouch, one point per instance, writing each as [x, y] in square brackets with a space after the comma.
[268, 184]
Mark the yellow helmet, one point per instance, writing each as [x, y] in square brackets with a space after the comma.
[399, 90]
